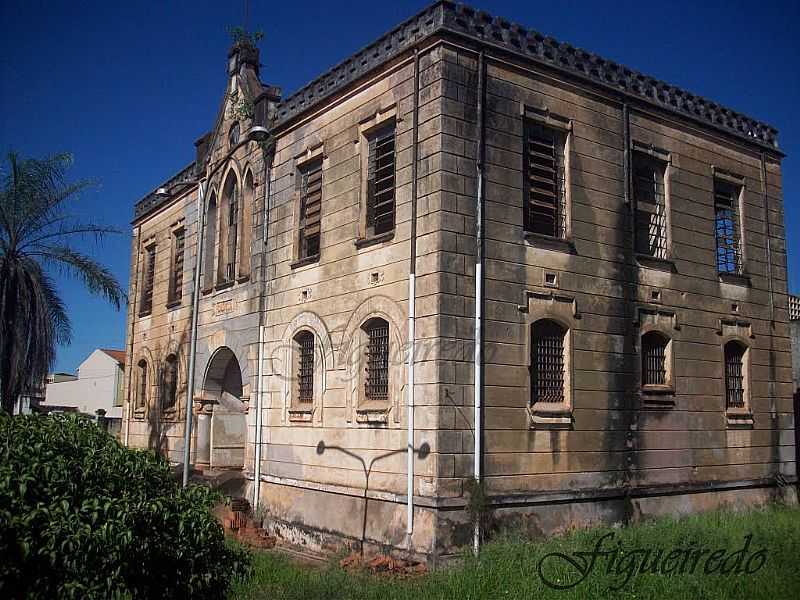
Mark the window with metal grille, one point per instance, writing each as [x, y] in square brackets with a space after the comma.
[233, 230]
[726, 226]
[376, 384]
[734, 375]
[654, 359]
[176, 278]
[651, 209]
[310, 185]
[148, 281]
[381, 181]
[305, 366]
[169, 383]
[141, 392]
[544, 182]
[547, 361]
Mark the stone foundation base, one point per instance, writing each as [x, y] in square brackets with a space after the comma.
[324, 522]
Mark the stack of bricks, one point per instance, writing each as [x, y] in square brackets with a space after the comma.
[237, 522]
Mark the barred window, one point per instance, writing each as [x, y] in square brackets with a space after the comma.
[654, 359]
[726, 226]
[305, 366]
[148, 281]
[381, 181]
[651, 211]
[734, 375]
[176, 277]
[547, 361]
[545, 181]
[376, 382]
[310, 186]
[169, 383]
[141, 390]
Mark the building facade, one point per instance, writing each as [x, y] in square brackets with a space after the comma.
[98, 386]
[628, 352]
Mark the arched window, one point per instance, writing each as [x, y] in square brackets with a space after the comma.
[210, 242]
[140, 400]
[376, 381]
[655, 359]
[229, 230]
[735, 374]
[169, 383]
[305, 366]
[246, 219]
[547, 362]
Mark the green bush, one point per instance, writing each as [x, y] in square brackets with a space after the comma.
[81, 516]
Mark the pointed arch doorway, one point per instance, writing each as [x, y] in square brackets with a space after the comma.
[222, 418]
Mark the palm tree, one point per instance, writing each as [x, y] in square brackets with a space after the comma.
[37, 233]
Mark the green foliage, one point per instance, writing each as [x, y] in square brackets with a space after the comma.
[81, 516]
[241, 37]
[240, 107]
[507, 568]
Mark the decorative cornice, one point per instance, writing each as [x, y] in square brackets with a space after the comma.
[391, 45]
[446, 17]
[479, 26]
[152, 201]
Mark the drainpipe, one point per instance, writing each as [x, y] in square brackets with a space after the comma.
[412, 297]
[477, 363]
[767, 232]
[130, 342]
[187, 438]
[261, 317]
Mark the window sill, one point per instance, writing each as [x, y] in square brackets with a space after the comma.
[550, 243]
[373, 240]
[653, 262]
[242, 278]
[308, 260]
[550, 415]
[657, 396]
[301, 415]
[735, 279]
[173, 304]
[739, 418]
[170, 414]
[144, 314]
[377, 415]
[207, 290]
[224, 285]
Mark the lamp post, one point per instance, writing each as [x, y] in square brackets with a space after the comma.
[255, 134]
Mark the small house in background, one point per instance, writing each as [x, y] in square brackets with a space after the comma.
[98, 385]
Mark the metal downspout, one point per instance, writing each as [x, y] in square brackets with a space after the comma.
[478, 358]
[412, 297]
[187, 437]
[261, 318]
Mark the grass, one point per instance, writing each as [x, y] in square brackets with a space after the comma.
[509, 567]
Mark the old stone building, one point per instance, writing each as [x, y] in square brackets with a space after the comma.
[624, 240]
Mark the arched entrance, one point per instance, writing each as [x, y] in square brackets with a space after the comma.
[222, 418]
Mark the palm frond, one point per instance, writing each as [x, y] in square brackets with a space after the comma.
[98, 279]
[36, 228]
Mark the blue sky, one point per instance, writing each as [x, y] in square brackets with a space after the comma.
[128, 86]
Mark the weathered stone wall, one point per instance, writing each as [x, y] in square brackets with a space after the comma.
[600, 290]
[336, 467]
[331, 445]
